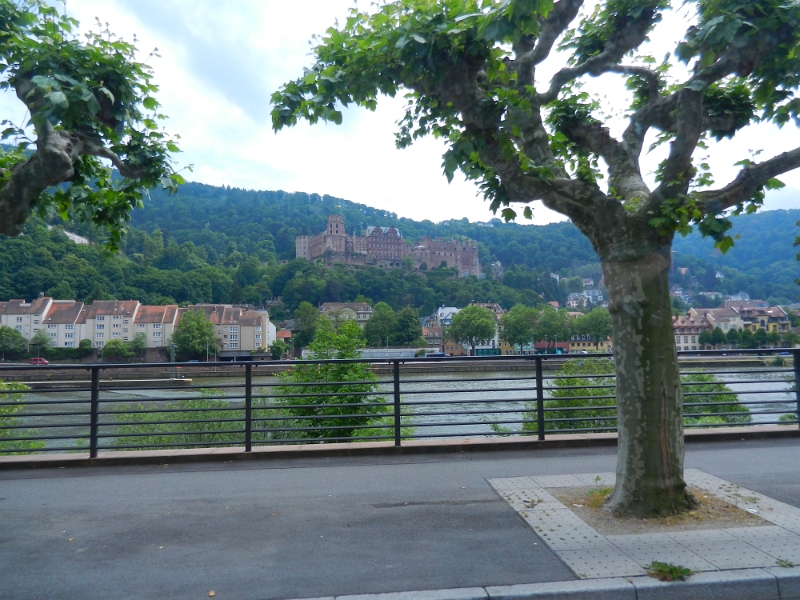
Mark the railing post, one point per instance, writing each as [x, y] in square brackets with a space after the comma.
[539, 397]
[796, 365]
[397, 432]
[248, 407]
[94, 423]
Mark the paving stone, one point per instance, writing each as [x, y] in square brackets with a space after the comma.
[512, 483]
[747, 584]
[603, 589]
[673, 553]
[701, 535]
[557, 481]
[563, 530]
[604, 479]
[731, 555]
[756, 533]
[610, 562]
[783, 518]
[785, 548]
[454, 594]
[640, 539]
[788, 581]
[531, 498]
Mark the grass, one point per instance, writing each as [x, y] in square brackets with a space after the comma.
[595, 498]
[782, 562]
[667, 571]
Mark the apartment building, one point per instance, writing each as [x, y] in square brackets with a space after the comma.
[61, 323]
[687, 330]
[25, 317]
[105, 320]
[239, 331]
[157, 323]
[360, 312]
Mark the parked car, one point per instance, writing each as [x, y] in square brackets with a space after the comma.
[39, 361]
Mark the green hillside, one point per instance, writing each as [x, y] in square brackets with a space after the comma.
[215, 244]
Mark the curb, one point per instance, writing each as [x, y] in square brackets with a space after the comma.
[744, 584]
[413, 447]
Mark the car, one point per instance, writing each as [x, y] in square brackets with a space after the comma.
[435, 355]
[39, 361]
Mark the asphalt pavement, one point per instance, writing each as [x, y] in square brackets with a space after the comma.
[307, 527]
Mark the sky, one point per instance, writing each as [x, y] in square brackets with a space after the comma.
[221, 61]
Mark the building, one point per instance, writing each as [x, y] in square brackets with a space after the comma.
[495, 345]
[444, 316]
[386, 247]
[105, 320]
[575, 300]
[687, 330]
[25, 317]
[61, 323]
[433, 335]
[360, 312]
[579, 344]
[156, 323]
[239, 331]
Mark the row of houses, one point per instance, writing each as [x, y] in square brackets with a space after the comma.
[751, 315]
[239, 330]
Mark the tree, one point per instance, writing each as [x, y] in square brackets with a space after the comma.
[11, 341]
[40, 341]
[472, 325]
[552, 324]
[194, 335]
[87, 101]
[116, 350]
[407, 330]
[306, 319]
[518, 325]
[595, 324]
[381, 325]
[733, 337]
[138, 345]
[717, 337]
[469, 69]
[340, 395]
[278, 349]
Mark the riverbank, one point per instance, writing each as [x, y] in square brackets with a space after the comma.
[159, 371]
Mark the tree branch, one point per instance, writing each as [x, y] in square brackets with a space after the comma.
[93, 149]
[622, 41]
[749, 181]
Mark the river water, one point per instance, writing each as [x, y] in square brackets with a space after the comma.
[435, 408]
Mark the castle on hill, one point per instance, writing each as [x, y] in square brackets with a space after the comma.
[385, 247]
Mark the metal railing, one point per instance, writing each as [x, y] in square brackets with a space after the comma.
[102, 407]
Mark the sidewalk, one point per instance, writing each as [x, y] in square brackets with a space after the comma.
[328, 527]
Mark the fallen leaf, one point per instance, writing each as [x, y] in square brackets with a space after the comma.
[212, 593]
[70, 539]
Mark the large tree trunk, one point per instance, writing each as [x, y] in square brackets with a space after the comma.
[649, 401]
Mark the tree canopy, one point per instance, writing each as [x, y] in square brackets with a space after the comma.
[89, 102]
[194, 335]
[472, 325]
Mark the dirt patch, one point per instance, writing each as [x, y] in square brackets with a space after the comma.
[713, 513]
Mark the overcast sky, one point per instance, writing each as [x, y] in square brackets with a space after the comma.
[221, 61]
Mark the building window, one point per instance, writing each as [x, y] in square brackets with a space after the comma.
[19, 319]
[125, 330]
[69, 336]
[115, 334]
[19, 327]
[125, 322]
[234, 337]
[141, 326]
[115, 317]
[69, 344]
[99, 344]
[686, 340]
[115, 326]
[156, 334]
[52, 335]
[258, 338]
[36, 321]
[234, 346]
[100, 318]
[156, 325]
[693, 341]
[52, 326]
[100, 326]
[234, 330]
[258, 329]
[69, 327]
[100, 335]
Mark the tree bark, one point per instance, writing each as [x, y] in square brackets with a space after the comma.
[649, 400]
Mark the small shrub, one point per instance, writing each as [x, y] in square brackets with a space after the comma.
[667, 571]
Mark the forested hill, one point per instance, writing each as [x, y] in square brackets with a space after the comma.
[215, 244]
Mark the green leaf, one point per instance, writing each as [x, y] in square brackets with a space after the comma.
[150, 103]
